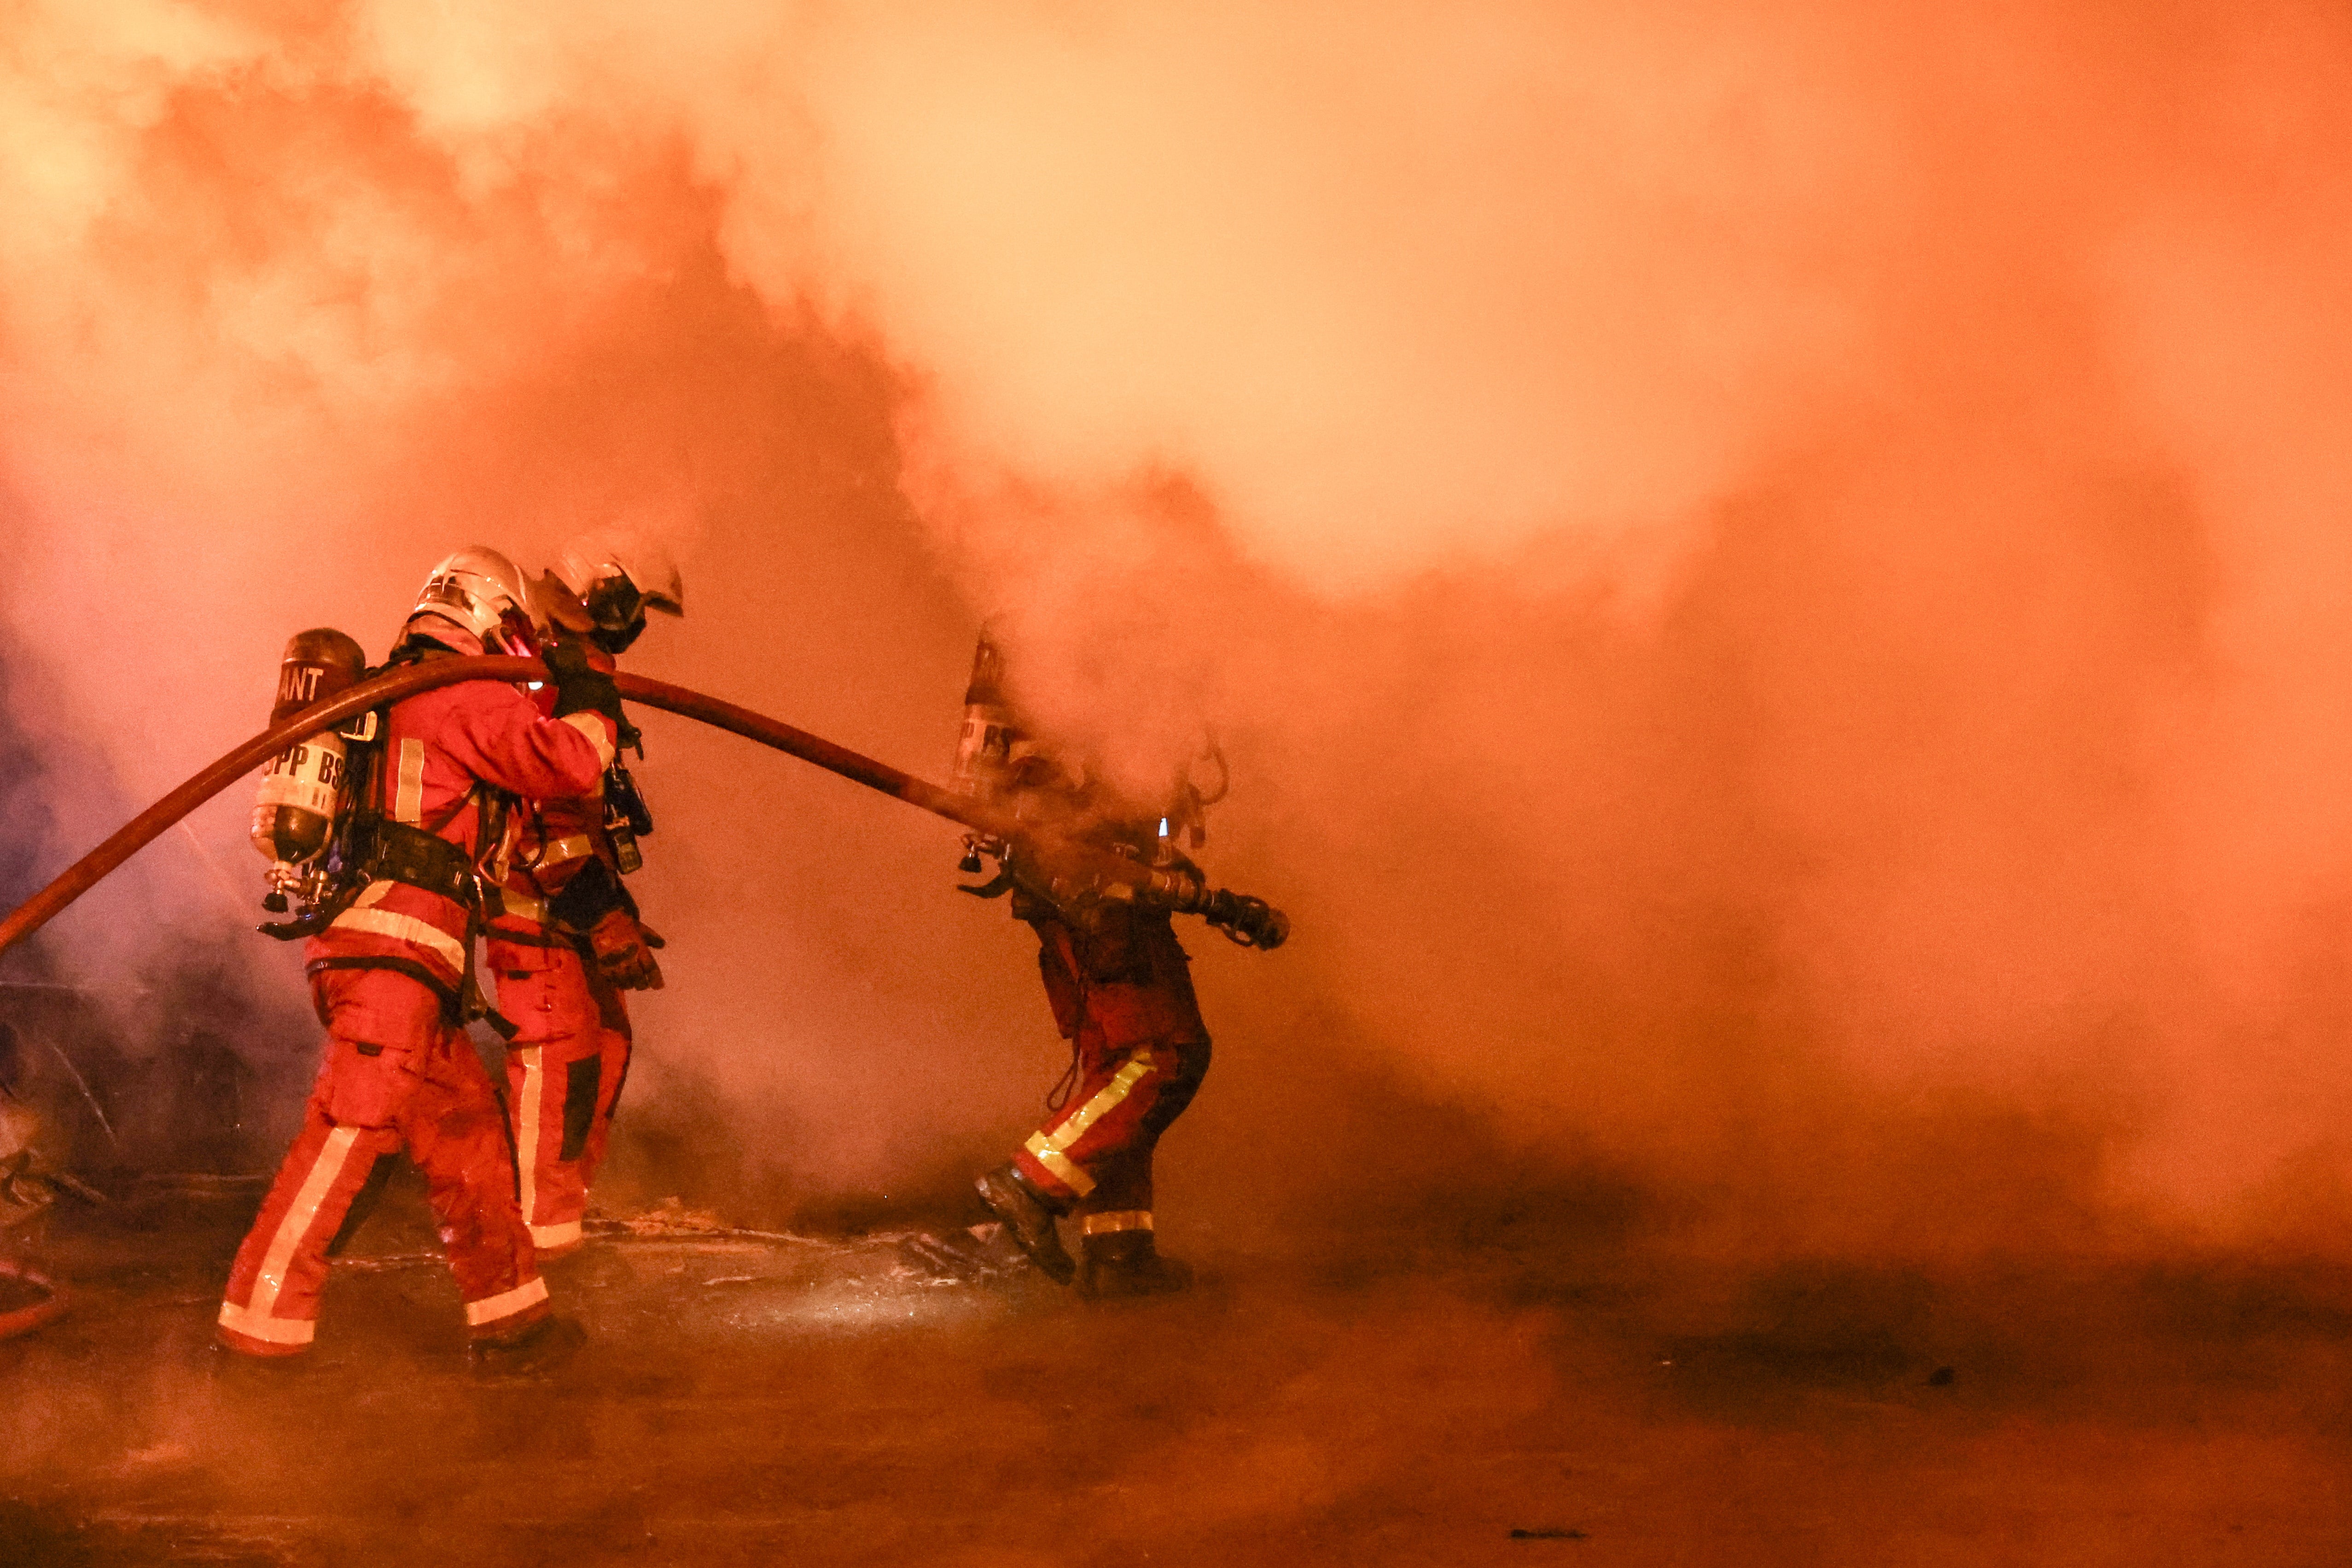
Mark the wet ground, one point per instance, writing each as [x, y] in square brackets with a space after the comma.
[762, 1399]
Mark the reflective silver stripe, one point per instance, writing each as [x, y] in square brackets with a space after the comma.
[555, 1234]
[299, 1216]
[408, 794]
[405, 928]
[529, 1293]
[1115, 1220]
[522, 906]
[592, 725]
[1060, 1165]
[1048, 1147]
[1105, 1101]
[527, 1128]
[269, 1330]
[574, 846]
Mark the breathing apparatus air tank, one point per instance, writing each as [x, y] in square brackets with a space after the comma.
[985, 750]
[302, 789]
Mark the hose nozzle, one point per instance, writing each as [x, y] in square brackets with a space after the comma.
[1252, 922]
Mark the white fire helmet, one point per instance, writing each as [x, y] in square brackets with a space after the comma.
[482, 591]
[617, 577]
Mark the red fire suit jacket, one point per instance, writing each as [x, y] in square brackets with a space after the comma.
[437, 747]
[552, 838]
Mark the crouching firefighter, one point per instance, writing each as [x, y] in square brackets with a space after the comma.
[566, 945]
[395, 902]
[1120, 989]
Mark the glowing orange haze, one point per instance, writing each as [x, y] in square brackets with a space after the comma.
[1775, 580]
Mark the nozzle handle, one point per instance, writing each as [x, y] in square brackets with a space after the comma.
[1252, 922]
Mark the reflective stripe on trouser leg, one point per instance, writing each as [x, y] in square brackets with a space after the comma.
[524, 1061]
[493, 1311]
[554, 1237]
[458, 1136]
[1058, 1164]
[283, 1262]
[1115, 1221]
[556, 1011]
[1051, 1149]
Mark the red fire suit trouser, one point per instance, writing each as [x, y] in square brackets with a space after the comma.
[1123, 997]
[396, 1076]
[565, 1067]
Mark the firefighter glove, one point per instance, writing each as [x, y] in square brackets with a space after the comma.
[580, 687]
[623, 952]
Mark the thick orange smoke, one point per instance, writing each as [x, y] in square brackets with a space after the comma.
[1772, 578]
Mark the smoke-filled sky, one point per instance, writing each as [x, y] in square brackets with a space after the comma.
[1774, 577]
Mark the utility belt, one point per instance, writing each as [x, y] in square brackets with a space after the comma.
[454, 999]
[461, 1004]
[390, 852]
[421, 860]
[396, 852]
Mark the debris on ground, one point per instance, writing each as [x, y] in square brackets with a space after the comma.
[969, 1257]
[668, 1217]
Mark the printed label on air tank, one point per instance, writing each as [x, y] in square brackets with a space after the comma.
[305, 775]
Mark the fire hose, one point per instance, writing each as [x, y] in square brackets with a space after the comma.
[49, 1302]
[1065, 872]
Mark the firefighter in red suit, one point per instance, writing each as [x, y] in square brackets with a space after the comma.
[567, 945]
[392, 975]
[1122, 992]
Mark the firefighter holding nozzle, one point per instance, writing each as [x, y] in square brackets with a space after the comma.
[416, 812]
[566, 945]
[1120, 989]
[414, 806]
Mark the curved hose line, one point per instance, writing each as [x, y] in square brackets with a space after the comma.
[48, 1309]
[150, 823]
[410, 679]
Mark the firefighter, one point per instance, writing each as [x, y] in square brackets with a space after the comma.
[567, 944]
[1121, 988]
[392, 977]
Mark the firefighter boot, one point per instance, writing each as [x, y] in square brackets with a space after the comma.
[543, 1347]
[1026, 1215]
[1122, 1263]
